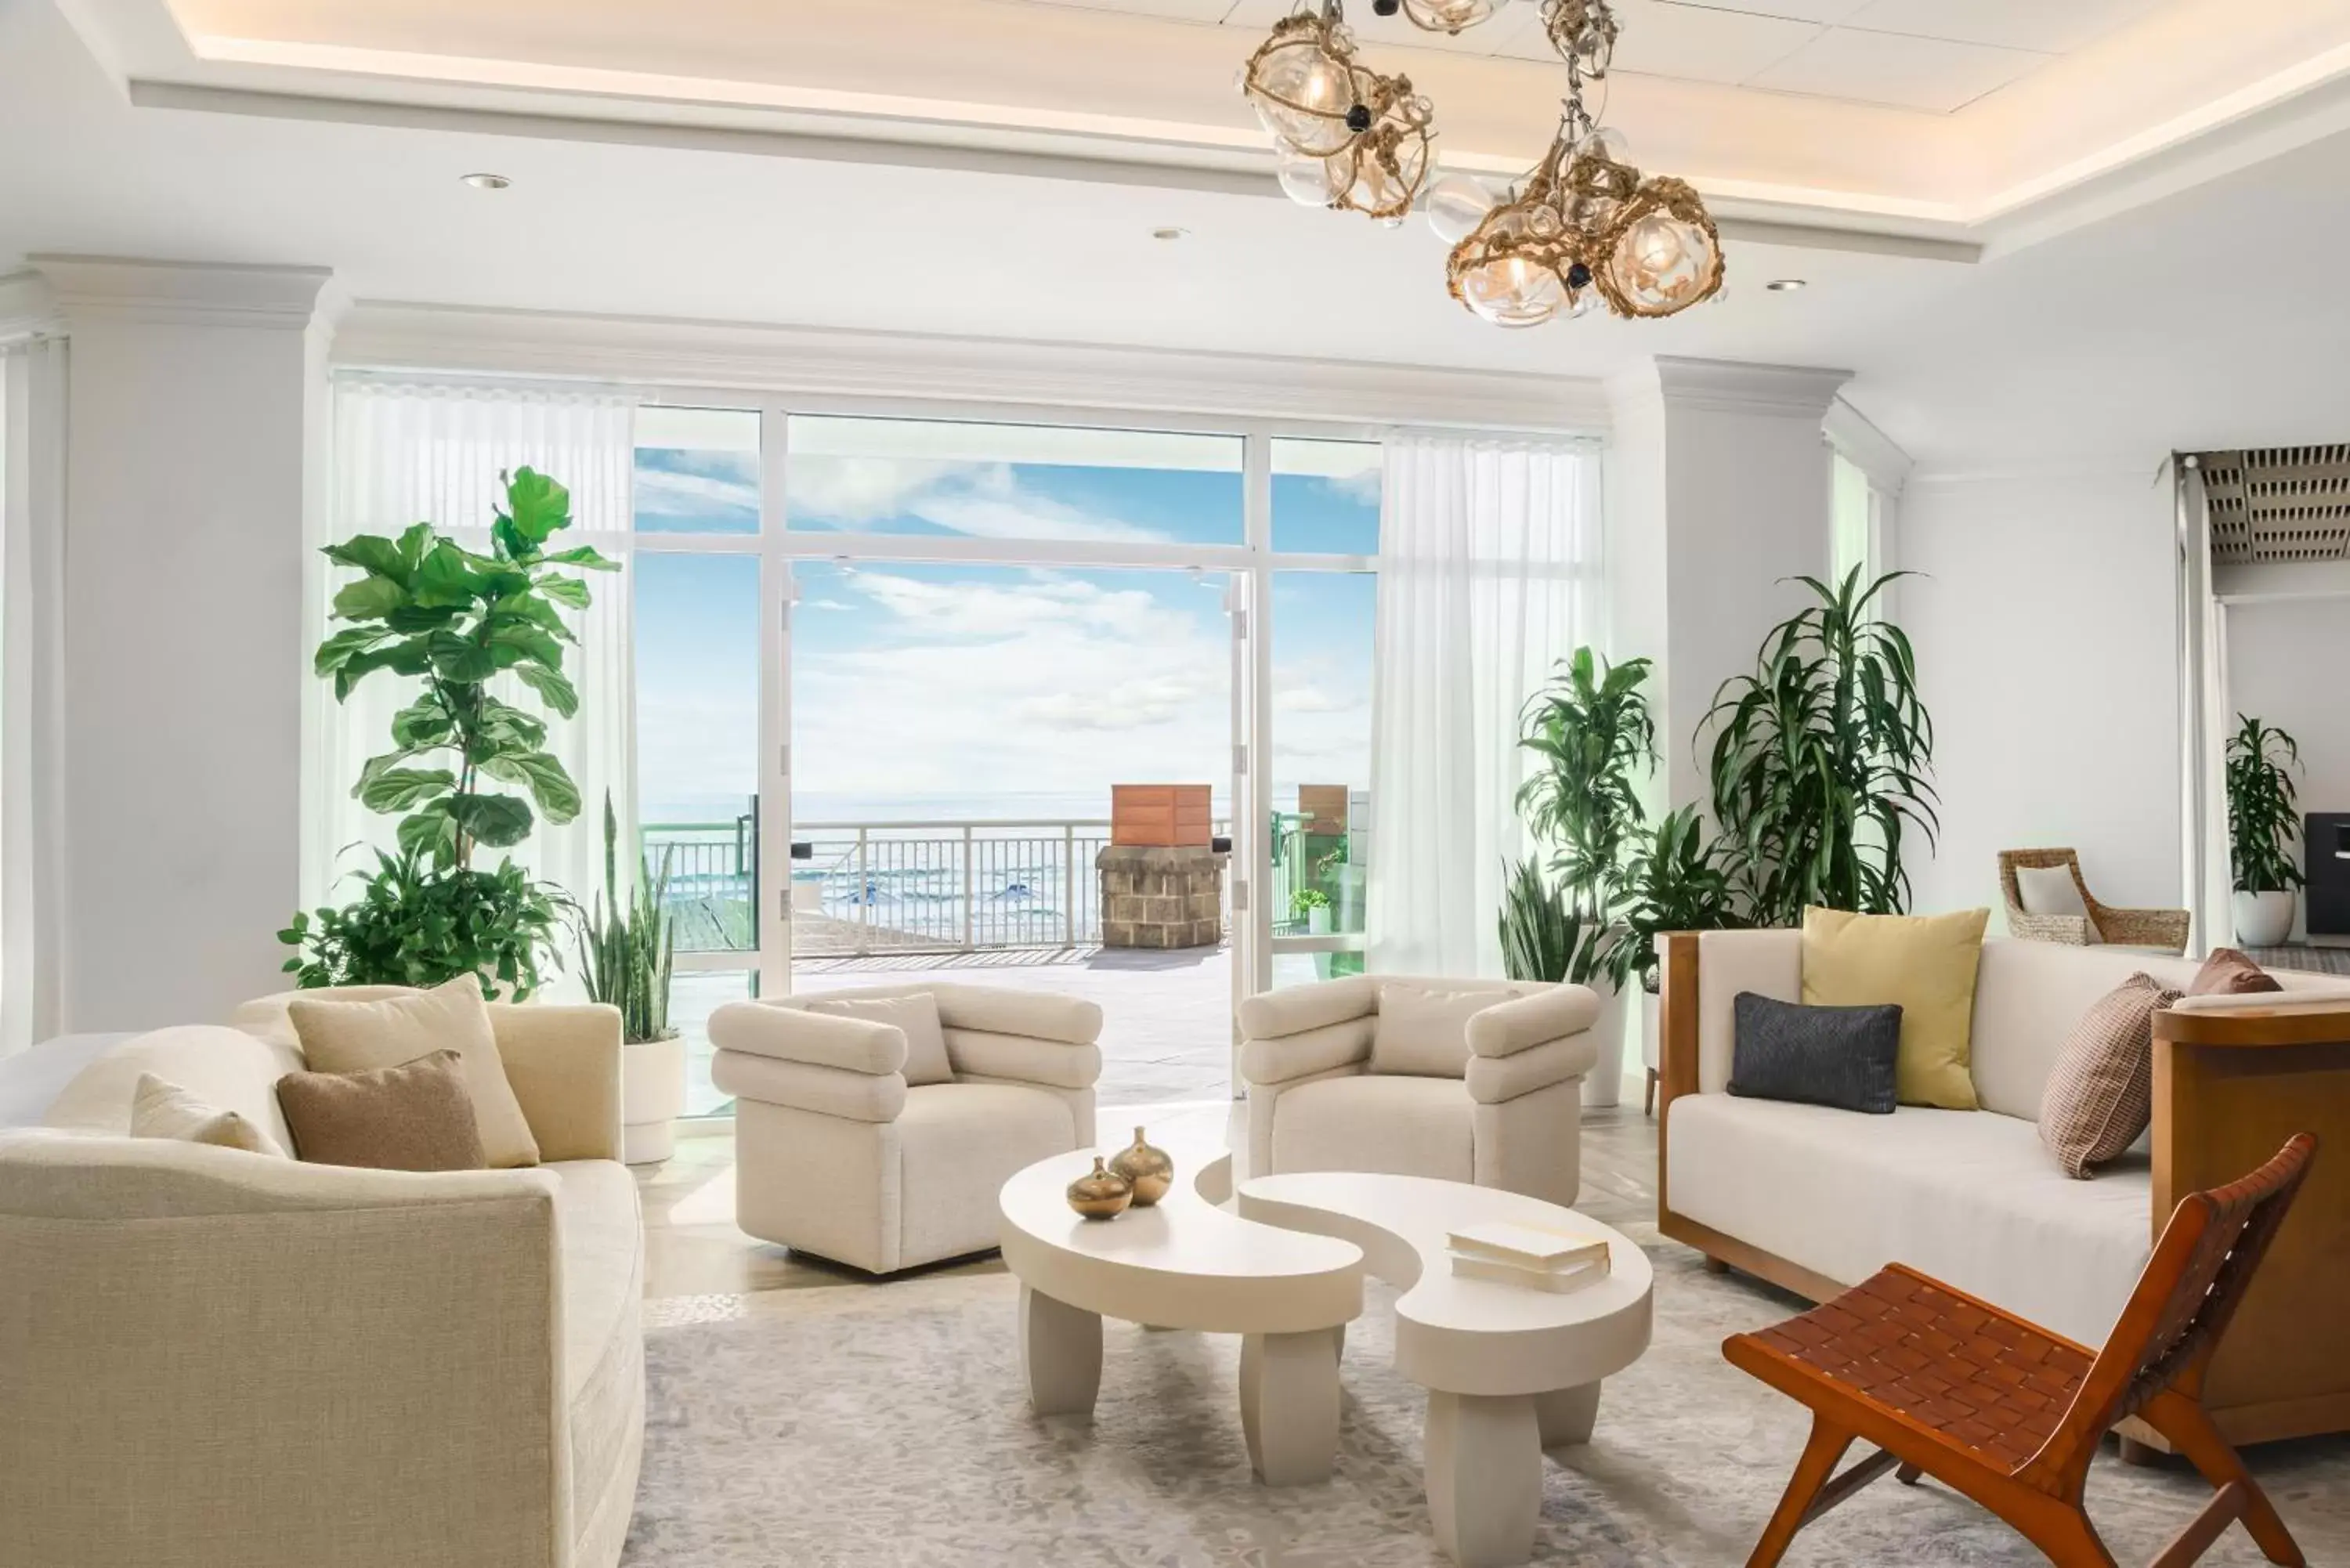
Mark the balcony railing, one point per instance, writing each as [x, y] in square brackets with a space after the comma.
[938, 887]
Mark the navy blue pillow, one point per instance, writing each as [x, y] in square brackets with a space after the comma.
[1838, 1056]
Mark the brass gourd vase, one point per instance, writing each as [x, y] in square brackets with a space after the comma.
[1101, 1193]
[1146, 1169]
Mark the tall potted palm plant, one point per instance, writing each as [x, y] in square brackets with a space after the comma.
[2263, 824]
[1823, 760]
[1595, 738]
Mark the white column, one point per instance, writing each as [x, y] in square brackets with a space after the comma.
[194, 432]
[1718, 488]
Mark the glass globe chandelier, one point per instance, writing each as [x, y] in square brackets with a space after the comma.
[1585, 228]
[1348, 137]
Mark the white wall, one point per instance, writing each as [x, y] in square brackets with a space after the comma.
[2286, 660]
[190, 434]
[2045, 628]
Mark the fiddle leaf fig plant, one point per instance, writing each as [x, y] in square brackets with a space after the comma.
[467, 768]
[429, 608]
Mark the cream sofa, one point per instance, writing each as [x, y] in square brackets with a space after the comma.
[1817, 1200]
[1513, 1120]
[215, 1359]
[835, 1153]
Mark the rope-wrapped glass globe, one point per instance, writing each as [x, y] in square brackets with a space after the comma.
[1305, 88]
[1449, 16]
[1661, 252]
[1382, 173]
[1511, 269]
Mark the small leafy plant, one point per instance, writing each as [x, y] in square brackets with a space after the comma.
[416, 924]
[1678, 879]
[2263, 820]
[1544, 936]
[627, 956]
[1306, 900]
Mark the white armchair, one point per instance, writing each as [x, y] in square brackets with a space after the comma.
[1511, 1119]
[836, 1154]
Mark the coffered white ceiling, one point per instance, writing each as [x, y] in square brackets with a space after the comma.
[1967, 123]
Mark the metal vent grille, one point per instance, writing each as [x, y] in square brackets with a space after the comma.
[2282, 503]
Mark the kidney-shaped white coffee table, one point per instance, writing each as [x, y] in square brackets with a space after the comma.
[1510, 1370]
[1185, 1263]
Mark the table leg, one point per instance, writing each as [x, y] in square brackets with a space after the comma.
[1289, 1406]
[1060, 1355]
[1567, 1415]
[1484, 1476]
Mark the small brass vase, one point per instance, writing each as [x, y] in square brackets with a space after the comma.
[1146, 1169]
[1101, 1193]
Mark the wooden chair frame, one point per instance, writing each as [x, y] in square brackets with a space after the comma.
[2152, 1366]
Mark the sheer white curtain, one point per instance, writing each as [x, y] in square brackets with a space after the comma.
[1489, 574]
[405, 454]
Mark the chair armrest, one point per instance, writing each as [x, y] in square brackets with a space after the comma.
[2073, 930]
[285, 1314]
[1031, 1014]
[563, 1064]
[1493, 1080]
[2143, 927]
[1311, 1053]
[788, 1033]
[1523, 1023]
[1051, 1064]
[1301, 1009]
[803, 1086]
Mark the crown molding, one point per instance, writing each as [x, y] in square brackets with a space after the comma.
[1869, 448]
[196, 293]
[27, 309]
[1729, 386]
[654, 352]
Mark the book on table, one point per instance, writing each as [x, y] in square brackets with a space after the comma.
[1528, 1256]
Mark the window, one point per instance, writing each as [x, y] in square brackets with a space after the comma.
[1852, 514]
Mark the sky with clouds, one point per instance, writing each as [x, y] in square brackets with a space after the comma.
[990, 691]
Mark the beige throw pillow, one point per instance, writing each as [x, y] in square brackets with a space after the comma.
[1423, 1032]
[359, 1036]
[2100, 1097]
[916, 1016]
[415, 1117]
[1923, 964]
[2051, 890]
[160, 1108]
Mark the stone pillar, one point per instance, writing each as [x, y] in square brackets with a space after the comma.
[1161, 897]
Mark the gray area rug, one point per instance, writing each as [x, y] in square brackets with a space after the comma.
[876, 1425]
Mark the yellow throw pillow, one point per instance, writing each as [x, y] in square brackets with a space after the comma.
[361, 1036]
[1925, 965]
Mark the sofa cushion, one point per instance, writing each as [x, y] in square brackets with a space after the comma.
[160, 1108]
[1925, 965]
[1839, 1057]
[1391, 1126]
[415, 1117]
[345, 1036]
[2051, 890]
[1969, 1197]
[914, 1014]
[225, 1068]
[2100, 1097]
[2228, 972]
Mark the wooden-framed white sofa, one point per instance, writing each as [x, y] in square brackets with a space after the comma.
[1816, 1200]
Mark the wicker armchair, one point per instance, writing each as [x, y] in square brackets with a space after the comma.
[2162, 929]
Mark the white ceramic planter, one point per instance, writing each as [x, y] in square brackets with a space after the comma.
[2263, 919]
[652, 1096]
[1604, 1086]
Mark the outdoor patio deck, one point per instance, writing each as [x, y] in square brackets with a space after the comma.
[1167, 1017]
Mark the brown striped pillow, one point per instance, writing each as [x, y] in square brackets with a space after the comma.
[2101, 1096]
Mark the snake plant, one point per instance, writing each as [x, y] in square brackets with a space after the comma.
[626, 948]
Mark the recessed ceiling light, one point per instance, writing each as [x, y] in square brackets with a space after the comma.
[1169, 233]
[488, 181]
[1786, 285]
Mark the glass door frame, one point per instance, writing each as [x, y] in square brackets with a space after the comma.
[1250, 565]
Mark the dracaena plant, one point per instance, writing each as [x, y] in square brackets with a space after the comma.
[1823, 759]
[428, 607]
[1592, 731]
[2263, 821]
[1678, 878]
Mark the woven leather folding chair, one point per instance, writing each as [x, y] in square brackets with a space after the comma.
[2010, 1415]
